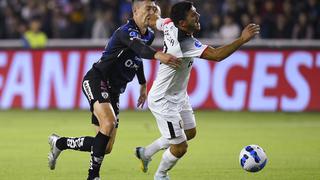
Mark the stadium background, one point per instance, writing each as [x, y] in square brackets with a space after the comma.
[278, 72]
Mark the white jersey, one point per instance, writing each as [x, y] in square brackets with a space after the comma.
[170, 83]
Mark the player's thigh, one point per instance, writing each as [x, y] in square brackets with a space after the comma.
[169, 123]
[106, 117]
[188, 119]
[114, 98]
[189, 123]
[168, 119]
[187, 116]
[96, 91]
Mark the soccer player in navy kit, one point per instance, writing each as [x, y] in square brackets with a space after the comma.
[107, 79]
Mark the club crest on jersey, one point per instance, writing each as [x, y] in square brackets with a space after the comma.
[197, 44]
[104, 95]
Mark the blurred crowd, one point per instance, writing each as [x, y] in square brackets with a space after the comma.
[284, 19]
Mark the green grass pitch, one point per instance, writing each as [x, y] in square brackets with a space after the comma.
[291, 141]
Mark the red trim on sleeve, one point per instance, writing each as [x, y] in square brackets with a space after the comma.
[167, 21]
[203, 51]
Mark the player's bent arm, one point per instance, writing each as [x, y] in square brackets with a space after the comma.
[143, 95]
[143, 89]
[140, 75]
[148, 52]
[168, 59]
[145, 51]
[218, 54]
[131, 40]
[142, 49]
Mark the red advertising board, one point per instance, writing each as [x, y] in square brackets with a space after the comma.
[254, 80]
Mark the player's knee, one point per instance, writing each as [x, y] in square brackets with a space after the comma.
[183, 149]
[108, 124]
[191, 135]
[179, 150]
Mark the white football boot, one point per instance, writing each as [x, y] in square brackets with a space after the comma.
[54, 151]
[157, 177]
[144, 161]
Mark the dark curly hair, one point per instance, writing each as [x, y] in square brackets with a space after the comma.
[179, 11]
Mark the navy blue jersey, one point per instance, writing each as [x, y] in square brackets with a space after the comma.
[121, 59]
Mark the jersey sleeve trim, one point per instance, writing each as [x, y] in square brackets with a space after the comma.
[204, 51]
[167, 21]
[161, 22]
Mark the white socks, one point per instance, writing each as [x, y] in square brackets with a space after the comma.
[167, 162]
[155, 146]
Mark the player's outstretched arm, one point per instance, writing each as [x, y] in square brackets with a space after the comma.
[220, 53]
[148, 52]
[168, 59]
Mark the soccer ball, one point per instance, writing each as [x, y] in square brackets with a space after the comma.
[252, 158]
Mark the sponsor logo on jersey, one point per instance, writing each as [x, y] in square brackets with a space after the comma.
[197, 44]
[131, 64]
[133, 34]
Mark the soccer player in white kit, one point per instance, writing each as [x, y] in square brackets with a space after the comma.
[168, 99]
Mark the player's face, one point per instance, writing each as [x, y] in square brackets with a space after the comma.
[143, 11]
[192, 20]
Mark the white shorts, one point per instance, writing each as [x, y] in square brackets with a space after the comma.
[173, 118]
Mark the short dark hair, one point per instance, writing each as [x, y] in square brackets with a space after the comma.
[179, 11]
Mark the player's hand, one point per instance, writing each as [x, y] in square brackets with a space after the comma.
[155, 14]
[168, 59]
[249, 32]
[157, 10]
[143, 96]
